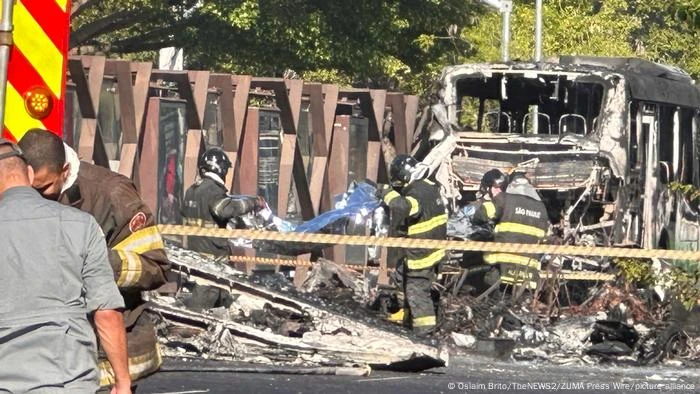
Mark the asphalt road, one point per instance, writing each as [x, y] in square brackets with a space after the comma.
[462, 376]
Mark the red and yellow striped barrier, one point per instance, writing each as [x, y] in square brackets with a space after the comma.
[36, 76]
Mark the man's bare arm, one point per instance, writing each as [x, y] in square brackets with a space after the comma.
[110, 329]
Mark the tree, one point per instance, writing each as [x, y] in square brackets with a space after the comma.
[368, 42]
[645, 28]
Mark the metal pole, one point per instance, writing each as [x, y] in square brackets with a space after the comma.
[506, 8]
[5, 44]
[538, 30]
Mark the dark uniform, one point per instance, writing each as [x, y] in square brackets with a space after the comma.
[419, 212]
[520, 217]
[197, 211]
[136, 255]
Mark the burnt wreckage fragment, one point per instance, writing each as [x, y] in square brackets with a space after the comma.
[275, 324]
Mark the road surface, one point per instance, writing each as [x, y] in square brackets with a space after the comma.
[462, 376]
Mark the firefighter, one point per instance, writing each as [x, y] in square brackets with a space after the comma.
[520, 216]
[207, 204]
[209, 188]
[416, 211]
[135, 246]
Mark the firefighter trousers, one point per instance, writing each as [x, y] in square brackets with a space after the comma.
[416, 285]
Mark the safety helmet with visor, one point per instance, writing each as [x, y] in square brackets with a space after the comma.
[214, 160]
[491, 178]
[402, 170]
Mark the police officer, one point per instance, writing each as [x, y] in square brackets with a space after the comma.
[136, 249]
[520, 217]
[201, 197]
[416, 211]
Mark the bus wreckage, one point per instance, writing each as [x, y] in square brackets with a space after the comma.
[602, 139]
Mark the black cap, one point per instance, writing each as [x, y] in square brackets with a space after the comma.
[16, 151]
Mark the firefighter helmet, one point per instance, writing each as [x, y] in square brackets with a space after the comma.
[214, 160]
[402, 169]
[492, 178]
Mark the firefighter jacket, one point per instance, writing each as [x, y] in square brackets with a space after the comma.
[520, 217]
[418, 212]
[136, 254]
[197, 211]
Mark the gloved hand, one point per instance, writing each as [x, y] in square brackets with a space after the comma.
[383, 190]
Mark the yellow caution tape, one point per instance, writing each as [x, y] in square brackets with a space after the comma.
[171, 229]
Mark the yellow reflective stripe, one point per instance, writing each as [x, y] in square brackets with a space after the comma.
[490, 209]
[397, 317]
[48, 60]
[131, 269]
[17, 119]
[130, 250]
[424, 321]
[139, 366]
[390, 196]
[142, 241]
[427, 261]
[415, 206]
[63, 4]
[427, 225]
[510, 227]
[496, 258]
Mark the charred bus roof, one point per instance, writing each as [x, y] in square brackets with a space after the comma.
[647, 80]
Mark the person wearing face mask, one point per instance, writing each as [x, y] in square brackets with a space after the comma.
[136, 250]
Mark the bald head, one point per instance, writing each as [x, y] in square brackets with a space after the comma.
[13, 170]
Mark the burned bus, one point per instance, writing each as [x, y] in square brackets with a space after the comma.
[601, 139]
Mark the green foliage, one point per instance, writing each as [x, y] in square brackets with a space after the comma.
[383, 44]
[636, 271]
[650, 29]
[680, 283]
[690, 192]
[395, 44]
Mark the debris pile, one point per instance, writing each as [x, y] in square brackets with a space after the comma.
[613, 325]
[234, 318]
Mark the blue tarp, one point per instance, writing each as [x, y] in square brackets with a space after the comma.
[360, 201]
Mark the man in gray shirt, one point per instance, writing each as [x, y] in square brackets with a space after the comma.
[54, 277]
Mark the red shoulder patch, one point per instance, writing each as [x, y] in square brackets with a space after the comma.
[137, 222]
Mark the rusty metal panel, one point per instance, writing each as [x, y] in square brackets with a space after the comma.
[320, 146]
[289, 102]
[240, 105]
[330, 102]
[376, 116]
[148, 171]
[398, 113]
[338, 163]
[200, 88]
[192, 149]
[246, 180]
[185, 92]
[374, 152]
[87, 87]
[411, 103]
[121, 69]
[294, 92]
[289, 146]
[86, 144]
[302, 185]
[224, 84]
[142, 82]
